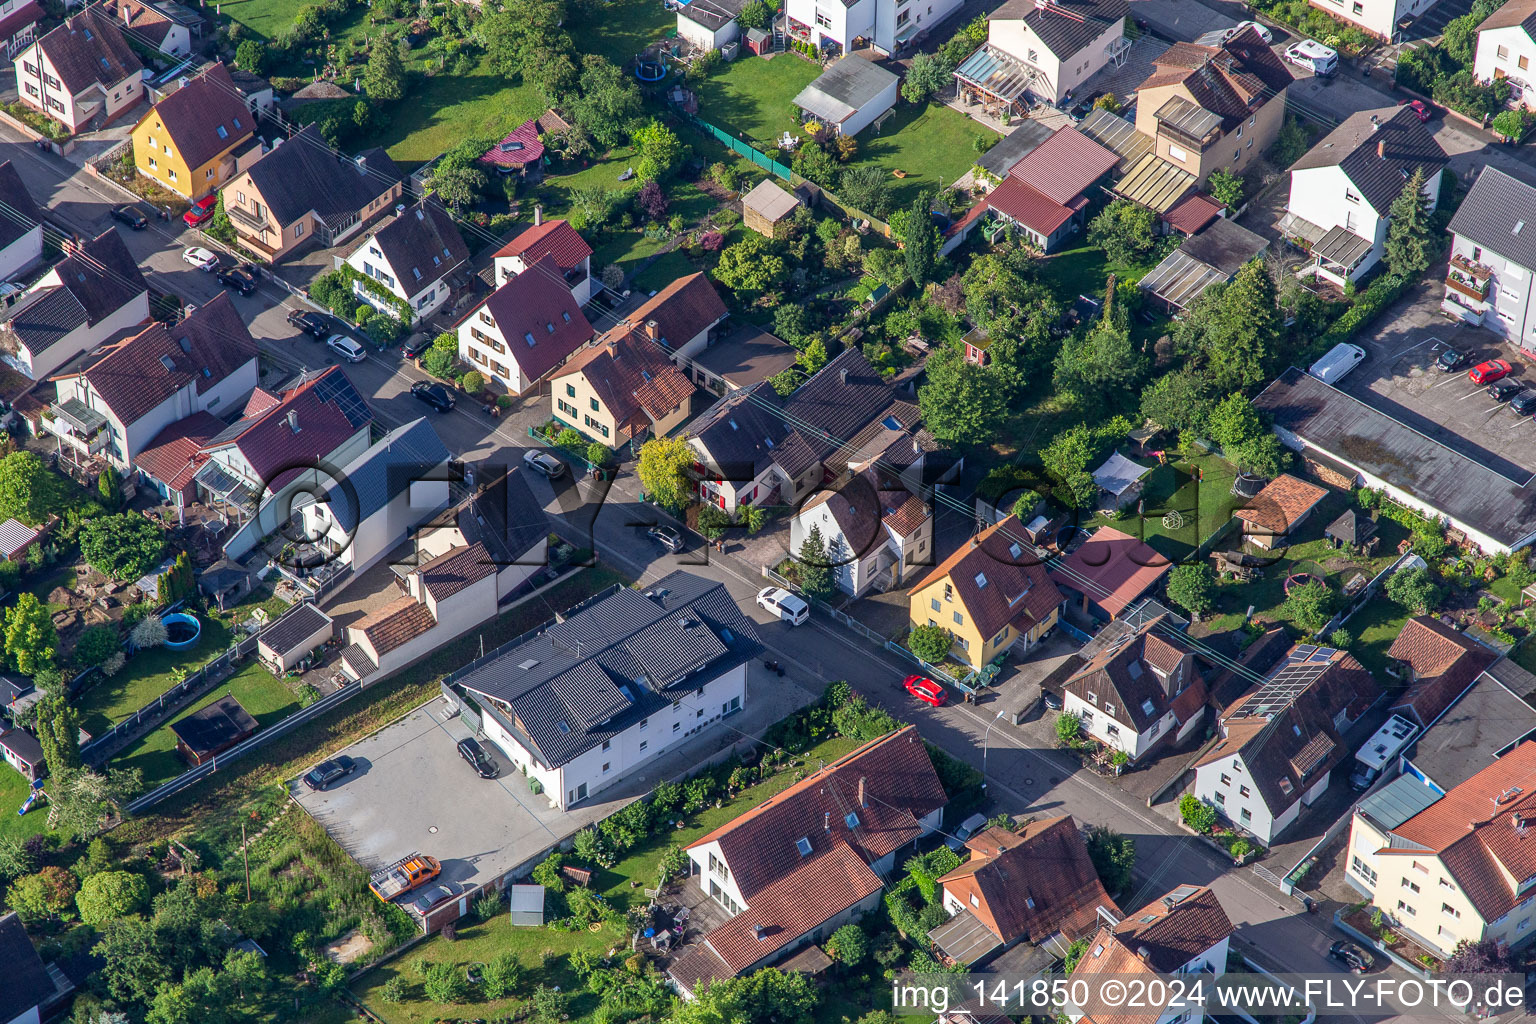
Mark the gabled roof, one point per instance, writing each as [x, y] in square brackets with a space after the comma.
[421, 245]
[1226, 81]
[148, 23]
[1378, 150]
[95, 281]
[1064, 26]
[681, 310]
[386, 470]
[1063, 166]
[1487, 721]
[1136, 680]
[1442, 663]
[1496, 207]
[502, 516]
[838, 401]
[137, 374]
[1112, 569]
[863, 510]
[1029, 206]
[22, 211]
[551, 238]
[174, 455]
[402, 620]
[542, 324]
[324, 407]
[456, 569]
[631, 375]
[1352, 527]
[999, 578]
[742, 432]
[89, 48]
[519, 148]
[205, 117]
[27, 984]
[1282, 502]
[295, 627]
[303, 174]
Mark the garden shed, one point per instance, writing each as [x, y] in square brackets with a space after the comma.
[849, 95]
[765, 206]
[21, 751]
[1354, 529]
[205, 734]
[15, 537]
[293, 635]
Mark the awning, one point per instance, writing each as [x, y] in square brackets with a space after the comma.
[1155, 183]
[1181, 279]
[1342, 247]
[81, 418]
[995, 73]
[965, 938]
[1115, 133]
[219, 482]
[1292, 226]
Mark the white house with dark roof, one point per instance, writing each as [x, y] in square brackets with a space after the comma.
[502, 516]
[1040, 51]
[418, 257]
[1142, 690]
[82, 70]
[1492, 271]
[1506, 50]
[21, 233]
[603, 693]
[554, 238]
[877, 533]
[885, 25]
[524, 330]
[1342, 189]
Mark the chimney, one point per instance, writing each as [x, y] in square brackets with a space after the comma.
[293, 420]
[842, 375]
[1143, 952]
[1381, 149]
[653, 330]
[826, 821]
[538, 214]
[863, 797]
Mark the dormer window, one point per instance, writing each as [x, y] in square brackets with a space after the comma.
[851, 820]
[804, 846]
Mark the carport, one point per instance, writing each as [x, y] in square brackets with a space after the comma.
[965, 938]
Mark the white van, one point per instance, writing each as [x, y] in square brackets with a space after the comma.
[1340, 359]
[789, 607]
[1314, 56]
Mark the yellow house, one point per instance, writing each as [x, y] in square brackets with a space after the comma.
[192, 141]
[621, 388]
[991, 594]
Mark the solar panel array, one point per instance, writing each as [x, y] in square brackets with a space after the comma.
[1303, 666]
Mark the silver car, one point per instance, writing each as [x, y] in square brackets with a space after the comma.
[544, 463]
[346, 348]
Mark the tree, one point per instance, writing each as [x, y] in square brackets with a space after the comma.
[659, 149]
[848, 945]
[814, 565]
[110, 486]
[124, 546]
[927, 74]
[1068, 453]
[764, 996]
[1487, 956]
[754, 14]
[1068, 727]
[887, 266]
[663, 470]
[29, 490]
[1410, 235]
[251, 55]
[134, 963]
[713, 522]
[1123, 229]
[58, 732]
[30, 638]
[962, 403]
[606, 101]
[1509, 123]
[922, 243]
[96, 644]
[652, 200]
[1311, 605]
[78, 799]
[109, 895]
[246, 970]
[599, 454]
[150, 632]
[1415, 589]
[1233, 421]
[445, 983]
[1197, 814]
[1101, 364]
[1113, 856]
[384, 78]
[48, 893]
[1263, 455]
[1178, 401]
[1244, 339]
[1193, 588]
[931, 643]
[1226, 187]
[750, 266]
[502, 977]
[866, 188]
[439, 359]
[549, 1005]
[15, 859]
[173, 1004]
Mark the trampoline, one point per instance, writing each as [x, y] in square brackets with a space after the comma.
[1300, 579]
[650, 70]
[181, 630]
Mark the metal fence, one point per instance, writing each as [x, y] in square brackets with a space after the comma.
[742, 148]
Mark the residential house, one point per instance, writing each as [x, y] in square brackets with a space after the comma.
[597, 697]
[1352, 443]
[81, 302]
[198, 137]
[1438, 663]
[709, 24]
[682, 317]
[744, 357]
[1493, 259]
[21, 233]
[1139, 691]
[621, 389]
[847, 25]
[158, 25]
[1506, 47]
[1184, 932]
[133, 389]
[418, 259]
[795, 868]
[170, 461]
[525, 329]
[1387, 20]
[992, 594]
[554, 238]
[1039, 51]
[81, 72]
[1282, 740]
[503, 517]
[379, 498]
[1464, 851]
[1110, 572]
[1280, 507]
[1212, 255]
[1046, 194]
[300, 192]
[18, 25]
[519, 153]
[850, 95]
[1031, 885]
[1342, 189]
[1209, 108]
[1484, 723]
[29, 985]
[876, 531]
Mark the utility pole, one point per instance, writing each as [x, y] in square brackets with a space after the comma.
[245, 854]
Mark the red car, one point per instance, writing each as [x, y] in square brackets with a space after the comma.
[201, 210]
[1417, 106]
[925, 690]
[1487, 373]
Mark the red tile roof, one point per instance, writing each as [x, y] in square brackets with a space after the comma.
[1063, 166]
[999, 579]
[1027, 205]
[326, 410]
[456, 569]
[528, 305]
[174, 456]
[1442, 664]
[1192, 213]
[632, 376]
[520, 148]
[552, 238]
[1112, 568]
[401, 620]
[681, 310]
[1281, 504]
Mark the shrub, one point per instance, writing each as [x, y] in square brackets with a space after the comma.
[1197, 814]
[96, 645]
[149, 633]
[1068, 727]
[473, 382]
[393, 990]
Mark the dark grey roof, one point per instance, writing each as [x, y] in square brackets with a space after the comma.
[1064, 26]
[1489, 719]
[1225, 245]
[712, 14]
[408, 453]
[215, 727]
[839, 401]
[1340, 425]
[741, 432]
[21, 211]
[615, 662]
[27, 984]
[12, 687]
[1352, 527]
[746, 357]
[1499, 214]
[94, 283]
[1013, 147]
[294, 627]
[422, 245]
[1378, 156]
[1396, 802]
[853, 81]
[505, 517]
[303, 174]
[24, 745]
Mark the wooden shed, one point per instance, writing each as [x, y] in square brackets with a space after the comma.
[205, 734]
[765, 206]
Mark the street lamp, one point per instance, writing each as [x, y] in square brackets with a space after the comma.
[984, 736]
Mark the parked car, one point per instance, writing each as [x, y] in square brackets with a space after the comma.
[326, 773]
[131, 216]
[1451, 359]
[925, 690]
[346, 347]
[1354, 959]
[544, 463]
[417, 345]
[434, 896]
[1504, 390]
[433, 394]
[474, 754]
[312, 324]
[1051, 700]
[1420, 110]
[1524, 404]
[239, 278]
[1313, 56]
[968, 828]
[785, 604]
[201, 211]
[1340, 359]
[667, 537]
[200, 258]
[1488, 372]
[1263, 31]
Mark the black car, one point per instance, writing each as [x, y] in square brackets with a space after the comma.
[1450, 359]
[238, 278]
[312, 324]
[434, 395]
[327, 772]
[417, 345]
[483, 764]
[1524, 403]
[131, 216]
[1504, 390]
[1354, 959]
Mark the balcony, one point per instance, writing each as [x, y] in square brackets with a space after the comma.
[1458, 308]
[1470, 279]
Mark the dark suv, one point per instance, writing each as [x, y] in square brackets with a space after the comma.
[1450, 359]
[313, 324]
[483, 764]
[238, 278]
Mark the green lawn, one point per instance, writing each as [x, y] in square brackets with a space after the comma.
[663, 271]
[754, 97]
[13, 790]
[623, 29]
[146, 676]
[1085, 270]
[444, 110]
[266, 19]
[1205, 507]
